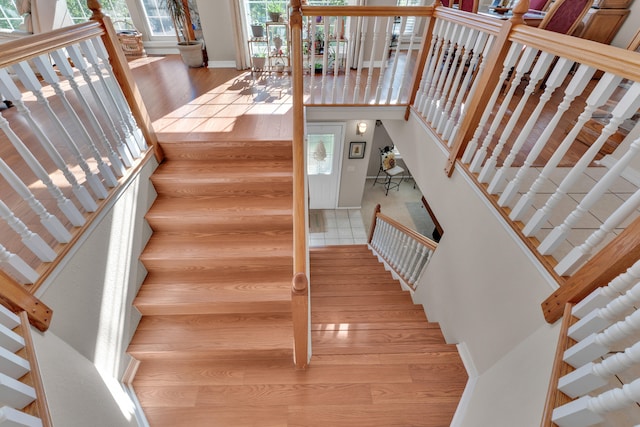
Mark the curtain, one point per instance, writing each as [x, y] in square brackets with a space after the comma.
[240, 34]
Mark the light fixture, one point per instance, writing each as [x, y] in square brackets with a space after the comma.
[361, 128]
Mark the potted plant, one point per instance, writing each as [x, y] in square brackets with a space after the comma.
[275, 10]
[257, 28]
[190, 49]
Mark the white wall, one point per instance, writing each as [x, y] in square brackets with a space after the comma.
[354, 171]
[82, 355]
[218, 32]
[484, 289]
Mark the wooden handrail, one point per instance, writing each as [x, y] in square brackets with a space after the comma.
[17, 298]
[556, 398]
[300, 317]
[39, 408]
[367, 10]
[409, 232]
[614, 259]
[39, 44]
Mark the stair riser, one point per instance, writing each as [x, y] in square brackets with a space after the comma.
[212, 190]
[209, 224]
[228, 150]
[213, 308]
[241, 354]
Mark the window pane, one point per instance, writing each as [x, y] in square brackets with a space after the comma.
[160, 23]
[320, 154]
[10, 19]
[117, 10]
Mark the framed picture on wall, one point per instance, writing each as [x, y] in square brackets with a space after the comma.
[356, 150]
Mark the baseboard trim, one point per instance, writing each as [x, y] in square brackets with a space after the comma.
[221, 64]
[469, 389]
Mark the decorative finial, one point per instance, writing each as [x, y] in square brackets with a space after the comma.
[96, 8]
[519, 10]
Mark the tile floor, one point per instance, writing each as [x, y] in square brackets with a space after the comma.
[351, 226]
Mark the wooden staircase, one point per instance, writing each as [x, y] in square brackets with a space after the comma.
[215, 340]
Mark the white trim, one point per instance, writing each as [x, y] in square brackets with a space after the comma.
[221, 64]
[469, 389]
[355, 113]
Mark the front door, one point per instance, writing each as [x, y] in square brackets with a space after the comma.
[324, 156]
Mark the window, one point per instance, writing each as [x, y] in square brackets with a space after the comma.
[10, 19]
[158, 20]
[411, 20]
[117, 10]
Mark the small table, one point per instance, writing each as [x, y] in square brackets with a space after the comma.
[532, 18]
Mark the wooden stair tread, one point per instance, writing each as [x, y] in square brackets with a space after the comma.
[193, 169]
[355, 289]
[268, 205]
[372, 337]
[196, 277]
[372, 301]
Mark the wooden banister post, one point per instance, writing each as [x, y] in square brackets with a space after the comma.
[614, 259]
[17, 298]
[488, 81]
[300, 316]
[376, 211]
[123, 74]
[518, 12]
[424, 52]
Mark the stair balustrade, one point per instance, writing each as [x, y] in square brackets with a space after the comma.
[599, 356]
[405, 251]
[71, 141]
[21, 390]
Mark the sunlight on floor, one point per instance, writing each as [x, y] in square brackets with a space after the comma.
[220, 109]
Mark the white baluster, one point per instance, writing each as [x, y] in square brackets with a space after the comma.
[429, 68]
[438, 56]
[65, 69]
[336, 59]
[595, 375]
[15, 266]
[402, 256]
[598, 96]
[588, 410]
[50, 222]
[65, 205]
[454, 64]
[363, 38]
[625, 109]
[110, 90]
[416, 248]
[466, 49]
[313, 39]
[603, 317]
[557, 76]
[403, 80]
[523, 65]
[597, 345]
[347, 67]
[510, 61]
[83, 67]
[604, 295]
[579, 254]
[30, 81]
[384, 59]
[539, 71]
[31, 240]
[49, 75]
[116, 90]
[372, 57]
[453, 124]
[396, 54]
[448, 49]
[422, 261]
[325, 60]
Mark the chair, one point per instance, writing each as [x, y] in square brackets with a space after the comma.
[465, 5]
[388, 169]
[540, 5]
[564, 16]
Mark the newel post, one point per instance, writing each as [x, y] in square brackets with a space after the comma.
[123, 75]
[300, 316]
[376, 211]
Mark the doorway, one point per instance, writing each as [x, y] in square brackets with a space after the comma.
[324, 158]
